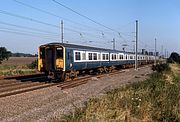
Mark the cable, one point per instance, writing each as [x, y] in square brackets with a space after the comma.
[27, 18]
[24, 27]
[37, 21]
[24, 34]
[84, 16]
[28, 32]
[30, 19]
[52, 14]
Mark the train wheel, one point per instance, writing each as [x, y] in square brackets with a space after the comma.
[100, 70]
[110, 69]
[60, 76]
[105, 69]
[73, 74]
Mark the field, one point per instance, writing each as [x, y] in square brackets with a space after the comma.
[155, 99]
[18, 61]
[17, 66]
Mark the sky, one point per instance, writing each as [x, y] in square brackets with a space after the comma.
[26, 24]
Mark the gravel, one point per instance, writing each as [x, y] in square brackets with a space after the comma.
[45, 104]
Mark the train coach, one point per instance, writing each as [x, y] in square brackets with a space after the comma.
[61, 60]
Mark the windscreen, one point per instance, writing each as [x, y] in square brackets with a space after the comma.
[59, 52]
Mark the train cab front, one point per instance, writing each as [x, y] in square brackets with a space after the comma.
[51, 61]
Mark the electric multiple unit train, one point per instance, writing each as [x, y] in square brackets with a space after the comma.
[63, 61]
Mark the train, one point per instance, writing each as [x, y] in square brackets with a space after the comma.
[63, 61]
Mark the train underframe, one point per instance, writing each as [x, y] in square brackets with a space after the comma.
[72, 74]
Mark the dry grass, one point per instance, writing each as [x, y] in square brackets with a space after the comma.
[17, 66]
[18, 61]
[152, 100]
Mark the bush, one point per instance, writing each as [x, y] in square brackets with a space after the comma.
[161, 67]
[4, 54]
[33, 65]
[174, 57]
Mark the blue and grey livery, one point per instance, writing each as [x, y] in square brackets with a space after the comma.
[66, 60]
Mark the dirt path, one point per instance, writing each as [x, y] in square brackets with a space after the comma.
[44, 104]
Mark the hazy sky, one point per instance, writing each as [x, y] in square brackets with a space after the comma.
[23, 28]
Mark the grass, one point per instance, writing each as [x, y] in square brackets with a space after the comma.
[154, 100]
[20, 69]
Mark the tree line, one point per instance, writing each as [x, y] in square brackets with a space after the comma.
[5, 54]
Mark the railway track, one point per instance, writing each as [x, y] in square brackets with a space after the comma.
[22, 76]
[21, 84]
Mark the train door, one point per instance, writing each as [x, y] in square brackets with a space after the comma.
[59, 58]
[50, 62]
[41, 58]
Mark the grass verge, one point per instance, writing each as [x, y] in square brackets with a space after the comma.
[155, 99]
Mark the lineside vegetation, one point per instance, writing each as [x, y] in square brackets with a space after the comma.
[155, 99]
[18, 69]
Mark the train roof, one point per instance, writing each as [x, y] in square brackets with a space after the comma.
[83, 47]
[66, 45]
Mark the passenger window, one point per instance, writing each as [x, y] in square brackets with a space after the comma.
[112, 57]
[90, 56]
[115, 56]
[107, 57]
[95, 56]
[83, 56]
[121, 56]
[77, 56]
[104, 57]
[99, 56]
[59, 53]
[42, 53]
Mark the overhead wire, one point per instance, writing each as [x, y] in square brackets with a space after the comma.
[52, 14]
[27, 18]
[35, 33]
[28, 28]
[86, 17]
[24, 34]
[34, 20]
[55, 26]
[146, 46]
[37, 21]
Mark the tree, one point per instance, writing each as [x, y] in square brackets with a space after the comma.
[4, 54]
[174, 57]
